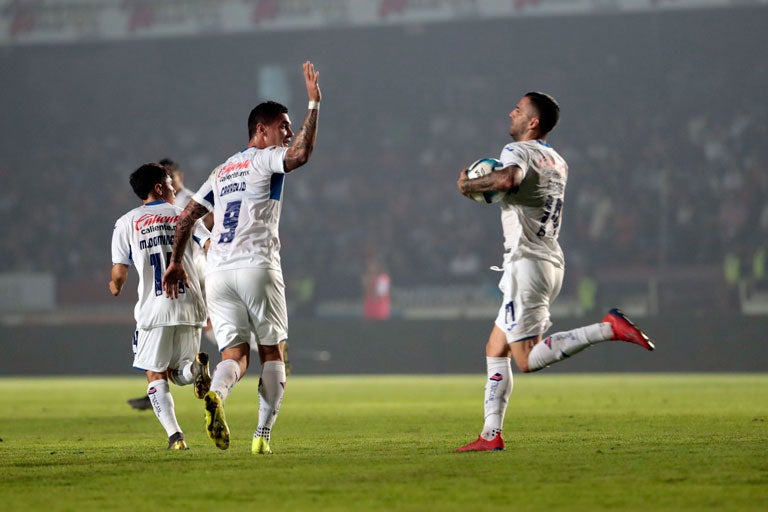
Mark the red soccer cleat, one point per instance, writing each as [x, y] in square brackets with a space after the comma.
[625, 330]
[481, 445]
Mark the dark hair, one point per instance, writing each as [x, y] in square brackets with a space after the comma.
[264, 113]
[548, 109]
[169, 164]
[144, 179]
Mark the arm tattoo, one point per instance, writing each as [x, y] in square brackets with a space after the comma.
[482, 184]
[304, 142]
[184, 226]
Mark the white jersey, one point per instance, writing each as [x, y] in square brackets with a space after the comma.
[244, 194]
[531, 217]
[144, 237]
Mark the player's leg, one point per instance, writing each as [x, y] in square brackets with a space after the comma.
[224, 311]
[541, 282]
[499, 381]
[153, 355]
[614, 327]
[271, 332]
[225, 376]
[142, 402]
[562, 345]
[230, 320]
[498, 388]
[498, 385]
[189, 366]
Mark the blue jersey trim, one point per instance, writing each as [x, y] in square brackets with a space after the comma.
[209, 197]
[276, 186]
[160, 201]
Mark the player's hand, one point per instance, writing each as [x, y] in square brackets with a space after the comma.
[310, 77]
[114, 289]
[461, 181]
[173, 275]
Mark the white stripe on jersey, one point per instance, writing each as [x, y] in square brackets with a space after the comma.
[245, 194]
[531, 217]
[144, 237]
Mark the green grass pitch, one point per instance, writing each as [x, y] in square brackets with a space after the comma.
[369, 443]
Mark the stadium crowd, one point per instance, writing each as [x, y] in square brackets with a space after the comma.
[674, 180]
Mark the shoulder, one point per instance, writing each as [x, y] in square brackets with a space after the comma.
[515, 153]
[128, 216]
[269, 159]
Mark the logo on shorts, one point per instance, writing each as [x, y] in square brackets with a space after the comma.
[509, 315]
[496, 377]
[152, 390]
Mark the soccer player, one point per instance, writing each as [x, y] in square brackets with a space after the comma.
[182, 197]
[244, 280]
[167, 337]
[534, 177]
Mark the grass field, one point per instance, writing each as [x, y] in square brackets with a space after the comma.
[575, 442]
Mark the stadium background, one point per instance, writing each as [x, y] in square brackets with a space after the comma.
[664, 125]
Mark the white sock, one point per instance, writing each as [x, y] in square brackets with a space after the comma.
[498, 387]
[183, 376]
[565, 344]
[159, 395]
[226, 374]
[271, 390]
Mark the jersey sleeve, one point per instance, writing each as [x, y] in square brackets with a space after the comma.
[271, 159]
[513, 154]
[201, 233]
[121, 242]
[204, 196]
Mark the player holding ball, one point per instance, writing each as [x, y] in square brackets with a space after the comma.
[532, 179]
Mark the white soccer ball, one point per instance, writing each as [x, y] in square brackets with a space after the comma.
[480, 168]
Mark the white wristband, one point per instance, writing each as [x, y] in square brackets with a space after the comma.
[313, 105]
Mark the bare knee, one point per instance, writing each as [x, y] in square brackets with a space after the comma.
[153, 376]
[271, 352]
[523, 366]
[239, 354]
[521, 350]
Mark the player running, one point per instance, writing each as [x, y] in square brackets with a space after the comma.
[534, 176]
[167, 337]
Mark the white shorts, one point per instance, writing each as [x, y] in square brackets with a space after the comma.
[529, 287]
[245, 301]
[161, 348]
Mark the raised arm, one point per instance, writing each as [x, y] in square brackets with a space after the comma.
[175, 271]
[304, 141]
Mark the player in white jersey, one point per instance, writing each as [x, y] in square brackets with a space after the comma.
[534, 176]
[167, 336]
[182, 197]
[244, 281]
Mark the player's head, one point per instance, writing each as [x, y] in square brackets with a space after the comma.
[269, 125]
[547, 108]
[152, 180]
[535, 115]
[169, 164]
[174, 170]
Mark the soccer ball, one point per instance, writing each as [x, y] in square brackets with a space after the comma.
[480, 168]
